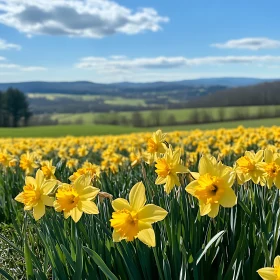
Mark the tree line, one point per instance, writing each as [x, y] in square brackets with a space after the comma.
[14, 108]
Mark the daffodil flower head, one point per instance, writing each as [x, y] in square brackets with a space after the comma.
[271, 168]
[76, 198]
[271, 273]
[248, 168]
[213, 186]
[155, 145]
[134, 219]
[35, 194]
[167, 168]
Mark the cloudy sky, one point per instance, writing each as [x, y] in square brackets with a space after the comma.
[145, 40]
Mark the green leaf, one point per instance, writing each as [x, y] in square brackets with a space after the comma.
[213, 239]
[6, 274]
[100, 263]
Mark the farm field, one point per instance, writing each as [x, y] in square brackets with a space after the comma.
[179, 115]
[149, 205]
[115, 100]
[95, 130]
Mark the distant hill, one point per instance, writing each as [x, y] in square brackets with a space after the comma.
[84, 87]
[260, 94]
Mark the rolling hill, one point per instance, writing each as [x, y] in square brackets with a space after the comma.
[84, 87]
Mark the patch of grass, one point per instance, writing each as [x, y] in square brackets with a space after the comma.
[180, 115]
[92, 130]
[63, 130]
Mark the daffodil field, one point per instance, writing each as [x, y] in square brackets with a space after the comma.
[183, 205]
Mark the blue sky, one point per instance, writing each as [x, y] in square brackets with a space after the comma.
[127, 40]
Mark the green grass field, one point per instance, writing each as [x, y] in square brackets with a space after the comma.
[180, 115]
[90, 130]
[112, 100]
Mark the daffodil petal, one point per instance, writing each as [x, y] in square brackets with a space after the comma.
[76, 214]
[147, 236]
[229, 198]
[47, 200]
[48, 186]
[204, 208]
[178, 168]
[151, 213]
[116, 236]
[191, 187]
[160, 180]
[39, 178]
[276, 262]
[267, 273]
[30, 181]
[39, 211]
[214, 210]
[137, 196]
[205, 166]
[88, 207]
[88, 193]
[120, 204]
[81, 182]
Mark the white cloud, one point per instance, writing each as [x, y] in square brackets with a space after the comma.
[21, 68]
[102, 64]
[4, 45]
[78, 18]
[249, 43]
[2, 58]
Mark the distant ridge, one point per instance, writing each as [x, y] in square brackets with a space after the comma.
[267, 93]
[85, 87]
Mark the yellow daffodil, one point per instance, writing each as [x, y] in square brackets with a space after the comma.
[271, 273]
[271, 168]
[247, 168]
[155, 145]
[88, 169]
[35, 194]
[75, 199]
[213, 186]
[27, 162]
[48, 169]
[167, 169]
[134, 219]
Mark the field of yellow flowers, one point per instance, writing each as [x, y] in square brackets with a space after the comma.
[183, 205]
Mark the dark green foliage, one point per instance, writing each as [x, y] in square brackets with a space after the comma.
[13, 107]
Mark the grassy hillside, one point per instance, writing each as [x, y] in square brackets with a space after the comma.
[180, 115]
[89, 130]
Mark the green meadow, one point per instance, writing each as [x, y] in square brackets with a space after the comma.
[90, 130]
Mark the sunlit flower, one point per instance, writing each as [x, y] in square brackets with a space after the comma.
[77, 198]
[167, 169]
[35, 194]
[247, 168]
[27, 162]
[271, 168]
[87, 169]
[271, 273]
[134, 219]
[155, 145]
[48, 169]
[213, 186]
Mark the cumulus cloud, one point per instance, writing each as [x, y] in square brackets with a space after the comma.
[249, 43]
[21, 68]
[4, 45]
[78, 18]
[103, 64]
[2, 58]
